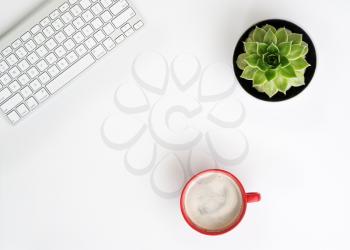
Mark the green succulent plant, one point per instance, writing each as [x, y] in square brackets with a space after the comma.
[274, 59]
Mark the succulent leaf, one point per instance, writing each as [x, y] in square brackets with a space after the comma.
[281, 84]
[273, 49]
[251, 47]
[299, 64]
[274, 60]
[258, 34]
[270, 37]
[270, 74]
[248, 73]
[284, 61]
[288, 72]
[285, 48]
[259, 78]
[241, 63]
[252, 60]
[282, 35]
[270, 89]
[262, 48]
[296, 51]
[295, 38]
[268, 27]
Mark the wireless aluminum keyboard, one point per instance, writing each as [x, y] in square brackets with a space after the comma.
[55, 45]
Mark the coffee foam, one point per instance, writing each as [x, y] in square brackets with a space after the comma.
[213, 202]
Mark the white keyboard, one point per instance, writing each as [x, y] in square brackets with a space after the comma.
[55, 45]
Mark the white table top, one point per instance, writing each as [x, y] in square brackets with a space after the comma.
[61, 187]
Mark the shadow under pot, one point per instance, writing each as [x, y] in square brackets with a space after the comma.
[274, 60]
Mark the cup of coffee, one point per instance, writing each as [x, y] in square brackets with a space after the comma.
[214, 202]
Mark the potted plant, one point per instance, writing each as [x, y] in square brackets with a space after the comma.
[274, 60]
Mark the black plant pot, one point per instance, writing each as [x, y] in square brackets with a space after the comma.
[293, 91]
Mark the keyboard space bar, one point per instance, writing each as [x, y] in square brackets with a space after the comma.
[70, 74]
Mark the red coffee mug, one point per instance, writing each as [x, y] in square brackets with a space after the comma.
[246, 198]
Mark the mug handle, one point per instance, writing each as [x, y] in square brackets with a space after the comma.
[252, 197]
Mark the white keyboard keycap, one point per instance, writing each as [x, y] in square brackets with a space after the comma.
[62, 64]
[14, 72]
[87, 30]
[31, 103]
[23, 65]
[16, 44]
[45, 22]
[3, 66]
[26, 36]
[85, 4]
[57, 24]
[14, 117]
[67, 17]
[123, 17]
[109, 44]
[81, 50]
[12, 59]
[70, 73]
[54, 14]
[129, 32]
[35, 29]
[26, 92]
[11, 103]
[51, 58]
[64, 7]
[99, 36]
[39, 38]
[5, 79]
[53, 71]
[7, 51]
[48, 32]
[4, 94]
[72, 57]
[108, 29]
[44, 78]
[97, 9]
[14, 86]
[23, 79]
[60, 37]
[119, 6]
[138, 25]
[42, 65]
[41, 95]
[76, 10]
[106, 16]
[35, 85]
[99, 52]
[22, 110]
[87, 15]
[69, 44]
[30, 46]
[97, 23]
[120, 39]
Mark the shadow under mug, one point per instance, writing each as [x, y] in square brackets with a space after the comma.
[246, 198]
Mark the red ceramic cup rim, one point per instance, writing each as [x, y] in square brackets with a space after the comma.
[239, 218]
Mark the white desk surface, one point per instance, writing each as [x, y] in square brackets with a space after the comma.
[62, 188]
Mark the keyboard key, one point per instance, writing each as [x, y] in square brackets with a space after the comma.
[44, 78]
[57, 24]
[54, 14]
[129, 32]
[69, 30]
[3, 66]
[81, 50]
[41, 95]
[62, 64]
[33, 72]
[42, 65]
[45, 22]
[35, 85]
[78, 23]
[23, 79]
[21, 52]
[42, 51]
[87, 30]
[31, 103]
[123, 17]
[51, 58]
[78, 37]
[60, 51]
[69, 44]
[14, 72]
[99, 36]
[51, 44]
[35, 29]
[60, 37]
[90, 43]
[109, 44]
[39, 38]
[53, 71]
[33, 58]
[72, 57]
[67, 17]
[85, 4]
[106, 16]
[22, 110]
[23, 65]
[99, 52]
[4, 94]
[48, 31]
[12, 59]
[108, 29]
[26, 92]
[97, 9]
[76, 10]
[7, 51]
[16, 44]
[30, 46]
[125, 27]
[14, 86]
[97, 23]
[26, 36]
[70, 73]
[120, 39]
[119, 6]
[11, 103]
[87, 15]
[138, 25]
[14, 117]
[64, 7]
[106, 3]
[5, 79]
